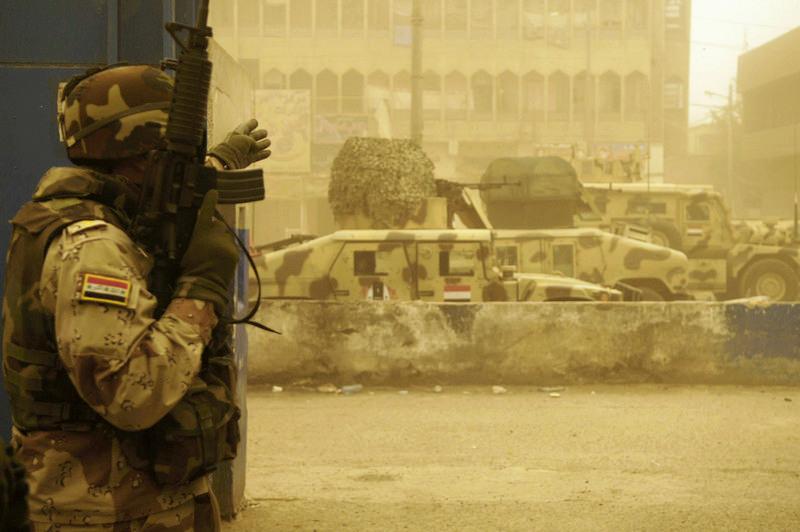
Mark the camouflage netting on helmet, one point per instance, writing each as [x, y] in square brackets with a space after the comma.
[384, 179]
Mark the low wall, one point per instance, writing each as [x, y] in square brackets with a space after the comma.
[529, 343]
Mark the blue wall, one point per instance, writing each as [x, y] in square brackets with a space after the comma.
[43, 42]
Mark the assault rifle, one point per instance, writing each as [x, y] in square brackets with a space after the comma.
[177, 179]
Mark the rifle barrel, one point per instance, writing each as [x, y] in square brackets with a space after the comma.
[202, 15]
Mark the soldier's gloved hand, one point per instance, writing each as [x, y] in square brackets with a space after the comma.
[209, 264]
[243, 146]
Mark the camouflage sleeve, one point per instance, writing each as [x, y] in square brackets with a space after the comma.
[129, 367]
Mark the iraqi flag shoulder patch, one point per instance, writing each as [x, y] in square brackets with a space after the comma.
[103, 289]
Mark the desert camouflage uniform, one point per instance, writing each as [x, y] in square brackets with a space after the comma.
[129, 367]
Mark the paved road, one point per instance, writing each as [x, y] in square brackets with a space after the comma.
[596, 458]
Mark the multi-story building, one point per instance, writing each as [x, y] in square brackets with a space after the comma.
[580, 78]
[769, 83]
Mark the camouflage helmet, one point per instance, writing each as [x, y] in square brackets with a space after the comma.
[114, 113]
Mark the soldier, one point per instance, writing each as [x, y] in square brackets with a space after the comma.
[99, 386]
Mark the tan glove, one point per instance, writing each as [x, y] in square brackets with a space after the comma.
[243, 146]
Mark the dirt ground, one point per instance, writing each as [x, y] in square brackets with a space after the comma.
[595, 458]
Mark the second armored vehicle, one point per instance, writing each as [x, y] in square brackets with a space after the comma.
[724, 260]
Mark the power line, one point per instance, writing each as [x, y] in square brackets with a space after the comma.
[737, 47]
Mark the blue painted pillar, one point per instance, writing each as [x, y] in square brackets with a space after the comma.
[43, 42]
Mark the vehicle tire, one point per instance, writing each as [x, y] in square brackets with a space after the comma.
[772, 278]
[665, 234]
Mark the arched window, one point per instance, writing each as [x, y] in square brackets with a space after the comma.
[611, 18]
[432, 18]
[507, 96]
[610, 96]
[581, 11]
[533, 103]
[481, 23]
[636, 14]
[378, 16]
[432, 95]
[482, 95]
[637, 96]
[582, 95]
[274, 18]
[326, 17]
[300, 17]
[533, 15]
[558, 96]
[327, 97]
[300, 79]
[352, 92]
[249, 15]
[558, 23]
[455, 17]
[507, 19]
[352, 17]
[455, 86]
[274, 79]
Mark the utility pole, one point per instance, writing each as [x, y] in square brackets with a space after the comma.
[417, 121]
[729, 151]
[588, 99]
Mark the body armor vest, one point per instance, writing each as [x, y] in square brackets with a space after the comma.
[188, 442]
[42, 396]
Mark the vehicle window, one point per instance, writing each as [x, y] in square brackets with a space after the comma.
[365, 263]
[658, 208]
[507, 256]
[698, 212]
[563, 260]
[457, 262]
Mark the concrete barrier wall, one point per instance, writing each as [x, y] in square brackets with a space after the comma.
[531, 343]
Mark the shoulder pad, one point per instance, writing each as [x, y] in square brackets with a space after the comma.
[85, 225]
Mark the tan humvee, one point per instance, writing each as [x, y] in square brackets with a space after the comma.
[725, 259]
[592, 255]
[597, 257]
[410, 264]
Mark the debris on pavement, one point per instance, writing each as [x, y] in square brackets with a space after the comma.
[498, 390]
[352, 388]
[551, 389]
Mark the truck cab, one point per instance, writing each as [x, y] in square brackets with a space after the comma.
[696, 220]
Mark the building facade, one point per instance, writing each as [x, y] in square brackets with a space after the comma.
[585, 79]
[769, 83]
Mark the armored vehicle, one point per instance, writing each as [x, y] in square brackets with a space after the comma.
[598, 257]
[726, 260]
[531, 202]
[410, 264]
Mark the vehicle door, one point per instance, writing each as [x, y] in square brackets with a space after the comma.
[452, 272]
[562, 257]
[704, 240]
[375, 271]
[527, 255]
